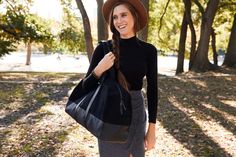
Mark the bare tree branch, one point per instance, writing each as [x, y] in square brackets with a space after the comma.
[200, 7]
[12, 7]
[161, 19]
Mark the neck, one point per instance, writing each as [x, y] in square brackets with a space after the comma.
[127, 36]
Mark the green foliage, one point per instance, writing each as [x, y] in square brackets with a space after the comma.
[6, 47]
[7, 42]
[44, 32]
[164, 31]
[72, 35]
[19, 25]
[72, 40]
[16, 23]
[152, 31]
[223, 23]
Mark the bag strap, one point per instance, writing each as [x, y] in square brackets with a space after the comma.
[92, 100]
[112, 72]
[106, 49]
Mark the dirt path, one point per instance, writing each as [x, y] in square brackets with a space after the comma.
[196, 117]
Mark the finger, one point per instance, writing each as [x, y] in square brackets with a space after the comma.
[145, 145]
[110, 54]
[148, 149]
[113, 58]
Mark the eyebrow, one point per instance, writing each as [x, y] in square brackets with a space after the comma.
[121, 13]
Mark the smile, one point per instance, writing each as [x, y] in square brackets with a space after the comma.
[122, 26]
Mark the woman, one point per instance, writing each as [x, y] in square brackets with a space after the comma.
[133, 60]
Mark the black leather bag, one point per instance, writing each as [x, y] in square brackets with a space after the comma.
[105, 111]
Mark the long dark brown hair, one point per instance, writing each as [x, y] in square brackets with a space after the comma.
[115, 41]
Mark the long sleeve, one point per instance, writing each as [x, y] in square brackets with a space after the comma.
[137, 60]
[152, 84]
[90, 80]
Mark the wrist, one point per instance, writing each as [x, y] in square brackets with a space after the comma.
[152, 126]
[97, 72]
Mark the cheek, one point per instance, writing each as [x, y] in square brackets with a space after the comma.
[132, 24]
[114, 24]
[131, 21]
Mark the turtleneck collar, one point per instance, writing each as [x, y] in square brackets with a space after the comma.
[128, 41]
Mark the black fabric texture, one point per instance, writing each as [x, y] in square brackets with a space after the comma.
[138, 60]
[111, 107]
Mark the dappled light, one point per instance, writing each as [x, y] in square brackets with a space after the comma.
[196, 117]
[199, 83]
[194, 111]
[44, 53]
[33, 116]
[229, 102]
[211, 127]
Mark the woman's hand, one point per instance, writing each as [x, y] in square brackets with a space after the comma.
[150, 138]
[105, 64]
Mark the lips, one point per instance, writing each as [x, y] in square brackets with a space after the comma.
[122, 26]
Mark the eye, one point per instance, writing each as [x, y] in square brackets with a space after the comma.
[115, 17]
[123, 15]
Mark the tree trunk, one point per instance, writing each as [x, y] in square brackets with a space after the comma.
[213, 45]
[101, 23]
[188, 5]
[87, 29]
[230, 56]
[143, 34]
[28, 56]
[45, 49]
[182, 41]
[201, 62]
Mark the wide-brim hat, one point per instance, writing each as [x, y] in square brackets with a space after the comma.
[138, 6]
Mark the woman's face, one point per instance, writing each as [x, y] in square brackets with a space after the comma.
[123, 21]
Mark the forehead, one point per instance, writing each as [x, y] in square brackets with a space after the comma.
[122, 8]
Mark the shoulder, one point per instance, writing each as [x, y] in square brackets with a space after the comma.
[101, 45]
[105, 45]
[99, 51]
[150, 48]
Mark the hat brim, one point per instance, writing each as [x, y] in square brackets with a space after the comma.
[137, 4]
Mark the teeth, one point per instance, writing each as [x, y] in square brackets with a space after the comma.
[123, 26]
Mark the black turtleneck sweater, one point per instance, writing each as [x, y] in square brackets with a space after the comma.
[138, 59]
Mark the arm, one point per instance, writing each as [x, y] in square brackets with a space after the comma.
[152, 85]
[105, 64]
[98, 65]
[150, 138]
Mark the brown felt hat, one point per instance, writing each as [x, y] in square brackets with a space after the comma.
[137, 4]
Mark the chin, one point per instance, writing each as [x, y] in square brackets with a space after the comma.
[123, 34]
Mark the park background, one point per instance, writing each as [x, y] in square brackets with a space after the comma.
[45, 47]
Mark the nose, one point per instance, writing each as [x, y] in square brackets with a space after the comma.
[119, 19]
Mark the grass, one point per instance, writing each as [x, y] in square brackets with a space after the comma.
[196, 116]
